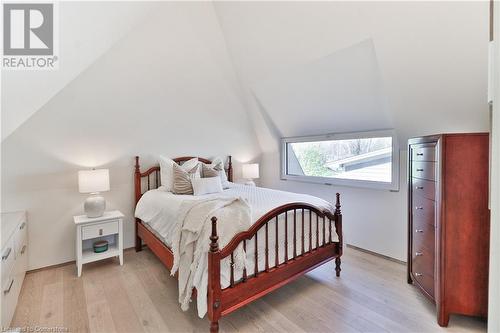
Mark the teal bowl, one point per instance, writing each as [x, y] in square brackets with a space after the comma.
[100, 246]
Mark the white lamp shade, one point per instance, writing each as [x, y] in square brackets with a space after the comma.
[250, 171]
[90, 181]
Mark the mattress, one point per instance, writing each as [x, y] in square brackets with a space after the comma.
[158, 208]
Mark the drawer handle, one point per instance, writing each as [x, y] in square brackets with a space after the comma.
[419, 230]
[420, 169]
[420, 154]
[6, 254]
[100, 232]
[23, 249]
[419, 208]
[419, 254]
[21, 227]
[6, 291]
[419, 187]
[418, 274]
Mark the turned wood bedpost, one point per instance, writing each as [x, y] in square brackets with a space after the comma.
[230, 169]
[338, 229]
[137, 183]
[214, 288]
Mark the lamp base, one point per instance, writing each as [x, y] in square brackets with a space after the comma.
[94, 206]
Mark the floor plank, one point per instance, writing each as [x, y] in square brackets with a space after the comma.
[370, 296]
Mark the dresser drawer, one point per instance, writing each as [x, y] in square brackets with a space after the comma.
[21, 237]
[423, 153]
[10, 292]
[423, 210]
[425, 188]
[100, 229]
[21, 265]
[8, 260]
[426, 281]
[423, 236]
[423, 260]
[424, 170]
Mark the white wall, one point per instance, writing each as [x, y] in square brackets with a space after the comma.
[432, 58]
[166, 87]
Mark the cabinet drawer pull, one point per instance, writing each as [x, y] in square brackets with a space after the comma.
[419, 230]
[419, 187]
[420, 169]
[420, 154]
[100, 232]
[419, 208]
[418, 274]
[6, 291]
[21, 227]
[419, 254]
[23, 249]
[6, 254]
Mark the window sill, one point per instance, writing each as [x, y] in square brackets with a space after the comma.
[393, 187]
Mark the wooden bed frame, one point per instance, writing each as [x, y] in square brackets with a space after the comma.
[255, 284]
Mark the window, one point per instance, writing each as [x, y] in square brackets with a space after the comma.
[368, 159]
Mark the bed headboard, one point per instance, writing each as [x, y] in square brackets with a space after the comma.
[151, 176]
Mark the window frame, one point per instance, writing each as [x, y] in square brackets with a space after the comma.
[395, 160]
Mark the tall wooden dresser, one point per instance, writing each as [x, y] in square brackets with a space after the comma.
[448, 222]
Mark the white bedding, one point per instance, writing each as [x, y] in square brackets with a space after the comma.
[158, 209]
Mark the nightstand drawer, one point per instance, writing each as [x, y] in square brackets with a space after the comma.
[100, 229]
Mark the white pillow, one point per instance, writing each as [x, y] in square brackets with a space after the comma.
[167, 170]
[206, 185]
[222, 174]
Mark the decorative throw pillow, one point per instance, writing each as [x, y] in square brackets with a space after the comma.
[167, 172]
[206, 185]
[211, 170]
[182, 179]
[216, 168]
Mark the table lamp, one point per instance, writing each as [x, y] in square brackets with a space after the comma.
[250, 171]
[94, 181]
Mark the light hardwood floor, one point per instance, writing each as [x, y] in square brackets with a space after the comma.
[370, 296]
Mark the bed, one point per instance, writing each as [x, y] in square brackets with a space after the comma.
[290, 235]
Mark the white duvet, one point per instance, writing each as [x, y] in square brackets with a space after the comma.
[159, 210]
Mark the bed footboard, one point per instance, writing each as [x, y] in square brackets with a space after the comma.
[262, 280]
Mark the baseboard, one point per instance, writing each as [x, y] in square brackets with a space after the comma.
[72, 262]
[376, 254]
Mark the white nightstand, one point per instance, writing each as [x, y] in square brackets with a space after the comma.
[90, 229]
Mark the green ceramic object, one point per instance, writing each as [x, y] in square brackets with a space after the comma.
[100, 246]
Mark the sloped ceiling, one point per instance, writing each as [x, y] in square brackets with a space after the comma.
[339, 93]
[86, 31]
[431, 56]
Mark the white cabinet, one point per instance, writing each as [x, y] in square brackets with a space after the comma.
[108, 227]
[14, 261]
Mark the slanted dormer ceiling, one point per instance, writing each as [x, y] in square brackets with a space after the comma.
[341, 92]
[431, 57]
[86, 32]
